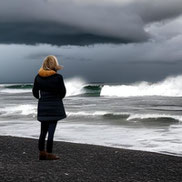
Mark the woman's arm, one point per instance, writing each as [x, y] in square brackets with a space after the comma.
[61, 88]
[35, 89]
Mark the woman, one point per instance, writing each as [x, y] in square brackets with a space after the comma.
[50, 85]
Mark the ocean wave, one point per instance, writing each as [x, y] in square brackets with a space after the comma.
[171, 86]
[15, 91]
[19, 86]
[83, 113]
[104, 114]
[74, 86]
[30, 109]
[101, 114]
[92, 90]
[127, 116]
[15, 88]
[154, 117]
[24, 109]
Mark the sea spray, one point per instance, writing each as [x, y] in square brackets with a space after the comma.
[171, 86]
[74, 86]
[23, 109]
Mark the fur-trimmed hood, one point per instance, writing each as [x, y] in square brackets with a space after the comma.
[46, 73]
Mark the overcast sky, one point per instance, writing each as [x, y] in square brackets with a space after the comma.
[99, 40]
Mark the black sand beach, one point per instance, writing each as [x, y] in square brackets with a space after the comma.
[80, 162]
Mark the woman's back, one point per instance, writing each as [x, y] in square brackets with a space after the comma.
[52, 83]
[52, 90]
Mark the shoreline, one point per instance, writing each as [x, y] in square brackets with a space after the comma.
[97, 145]
[84, 162]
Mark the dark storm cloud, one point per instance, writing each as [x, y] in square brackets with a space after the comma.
[57, 34]
[64, 22]
[149, 61]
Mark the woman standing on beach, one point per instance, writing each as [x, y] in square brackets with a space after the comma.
[50, 85]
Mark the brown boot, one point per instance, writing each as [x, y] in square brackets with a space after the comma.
[51, 157]
[42, 155]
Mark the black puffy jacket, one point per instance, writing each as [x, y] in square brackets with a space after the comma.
[49, 88]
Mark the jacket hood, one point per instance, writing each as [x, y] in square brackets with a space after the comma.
[46, 73]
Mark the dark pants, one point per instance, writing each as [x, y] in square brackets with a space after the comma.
[47, 127]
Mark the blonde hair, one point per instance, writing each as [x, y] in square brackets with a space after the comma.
[51, 63]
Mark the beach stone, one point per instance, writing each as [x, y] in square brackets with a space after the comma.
[84, 163]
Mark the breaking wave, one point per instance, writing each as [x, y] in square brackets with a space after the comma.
[74, 86]
[160, 117]
[31, 110]
[171, 86]
[24, 109]
[15, 88]
[127, 116]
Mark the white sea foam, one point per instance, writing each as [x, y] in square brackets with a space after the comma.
[24, 109]
[171, 86]
[83, 113]
[4, 88]
[74, 86]
[7, 84]
[148, 139]
[128, 116]
[28, 109]
[96, 113]
[154, 116]
[15, 91]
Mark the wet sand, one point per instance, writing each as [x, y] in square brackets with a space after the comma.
[84, 163]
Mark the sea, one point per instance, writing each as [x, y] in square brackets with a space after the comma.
[141, 116]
